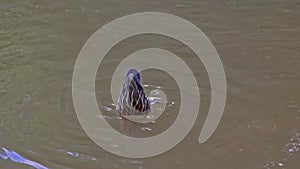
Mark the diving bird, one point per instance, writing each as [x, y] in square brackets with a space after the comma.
[132, 99]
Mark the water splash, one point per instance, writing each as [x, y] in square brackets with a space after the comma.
[273, 164]
[15, 157]
[146, 129]
[77, 155]
[291, 148]
[155, 100]
[293, 145]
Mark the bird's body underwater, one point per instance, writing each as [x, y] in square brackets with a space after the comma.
[132, 99]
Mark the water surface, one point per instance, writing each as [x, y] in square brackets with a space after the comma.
[258, 42]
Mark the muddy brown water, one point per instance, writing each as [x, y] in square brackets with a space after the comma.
[258, 43]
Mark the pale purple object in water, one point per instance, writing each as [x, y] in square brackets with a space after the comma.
[15, 157]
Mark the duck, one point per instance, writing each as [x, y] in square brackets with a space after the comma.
[132, 99]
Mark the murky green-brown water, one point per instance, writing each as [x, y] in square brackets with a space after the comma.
[258, 42]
